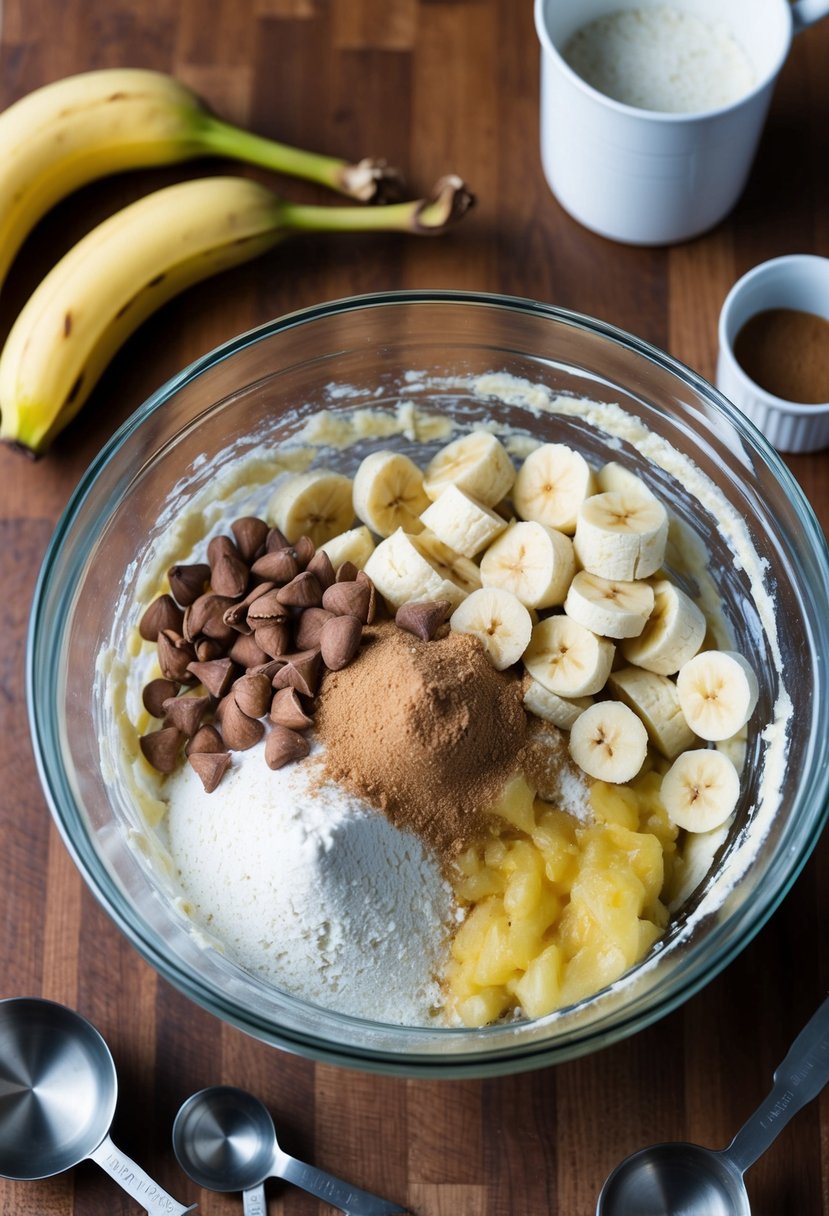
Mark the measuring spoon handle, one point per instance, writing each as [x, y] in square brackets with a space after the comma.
[339, 1194]
[799, 1079]
[154, 1200]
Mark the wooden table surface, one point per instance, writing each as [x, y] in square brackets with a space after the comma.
[435, 86]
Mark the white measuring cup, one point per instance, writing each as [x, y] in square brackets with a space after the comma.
[646, 177]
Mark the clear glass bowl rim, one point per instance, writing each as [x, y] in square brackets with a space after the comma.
[706, 959]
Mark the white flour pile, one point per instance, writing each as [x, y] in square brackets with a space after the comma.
[313, 890]
[661, 58]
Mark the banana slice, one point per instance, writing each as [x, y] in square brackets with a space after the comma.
[460, 522]
[458, 569]
[355, 546]
[316, 504]
[621, 535]
[700, 790]
[534, 562]
[609, 742]
[551, 486]
[654, 699]
[477, 463]
[610, 607]
[568, 659]
[558, 710]
[501, 622]
[718, 691]
[388, 493]
[673, 634]
[618, 477]
[403, 568]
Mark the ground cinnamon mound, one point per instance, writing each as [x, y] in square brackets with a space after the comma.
[428, 732]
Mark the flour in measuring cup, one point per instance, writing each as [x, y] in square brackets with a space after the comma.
[661, 58]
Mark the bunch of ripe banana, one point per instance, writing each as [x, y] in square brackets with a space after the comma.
[84, 127]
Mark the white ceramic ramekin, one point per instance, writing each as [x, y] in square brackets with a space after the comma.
[799, 281]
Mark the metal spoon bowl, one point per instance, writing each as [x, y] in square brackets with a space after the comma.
[224, 1138]
[688, 1180]
[58, 1091]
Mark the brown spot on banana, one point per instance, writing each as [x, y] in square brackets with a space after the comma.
[159, 278]
[67, 325]
[73, 392]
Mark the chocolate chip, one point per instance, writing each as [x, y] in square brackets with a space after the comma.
[220, 546]
[229, 575]
[346, 573]
[302, 672]
[304, 548]
[161, 748]
[275, 540]
[423, 618]
[211, 767]
[206, 739]
[287, 710]
[163, 613]
[186, 713]
[278, 566]
[274, 638]
[174, 657]
[304, 591]
[204, 613]
[156, 693]
[348, 599]
[208, 649]
[237, 615]
[250, 533]
[267, 608]
[320, 566]
[216, 676]
[246, 652]
[340, 640]
[309, 626]
[238, 730]
[187, 583]
[364, 579]
[284, 746]
[253, 694]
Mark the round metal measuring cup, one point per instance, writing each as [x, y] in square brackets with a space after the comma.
[688, 1180]
[224, 1138]
[58, 1091]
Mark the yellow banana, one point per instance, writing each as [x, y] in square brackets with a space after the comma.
[83, 127]
[116, 275]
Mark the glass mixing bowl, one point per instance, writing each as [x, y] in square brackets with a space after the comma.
[415, 347]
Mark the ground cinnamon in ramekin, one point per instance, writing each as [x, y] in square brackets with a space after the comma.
[428, 732]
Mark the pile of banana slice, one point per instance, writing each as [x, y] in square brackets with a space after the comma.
[559, 567]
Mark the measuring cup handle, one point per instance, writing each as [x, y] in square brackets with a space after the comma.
[254, 1202]
[807, 12]
[339, 1194]
[154, 1200]
[799, 1079]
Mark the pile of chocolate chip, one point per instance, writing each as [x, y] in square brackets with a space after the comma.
[255, 627]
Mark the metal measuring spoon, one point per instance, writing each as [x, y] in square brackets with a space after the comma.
[58, 1090]
[224, 1138]
[687, 1180]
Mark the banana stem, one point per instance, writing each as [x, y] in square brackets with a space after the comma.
[370, 180]
[449, 200]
